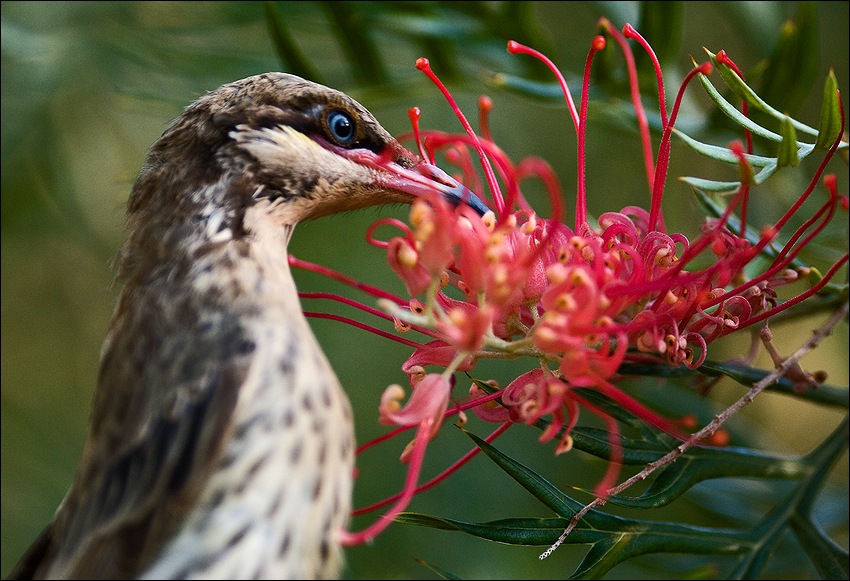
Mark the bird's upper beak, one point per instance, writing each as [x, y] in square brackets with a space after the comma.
[426, 180]
[400, 170]
[422, 179]
[450, 189]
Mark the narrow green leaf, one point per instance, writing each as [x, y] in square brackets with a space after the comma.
[825, 394]
[773, 526]
[518, 531]
[753, 561]
[719, 187]
[787, 155]
[595, 441]
[541, 488]
[769, 165]
[823, 457]
[611, 545]
[830, 113]
[711, 186]
[745, 93]
[830, 560]
[700, 464]
[440, 572]
[619, 413]
[732, 111]
[658, 538]
[725, 154]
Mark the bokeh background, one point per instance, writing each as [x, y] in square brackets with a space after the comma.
[88, 86]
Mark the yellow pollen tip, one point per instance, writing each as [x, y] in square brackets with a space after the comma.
[545, 334]
[564, 446]
[457, 317]
[407, 256]
[556, 273]
[489, 220]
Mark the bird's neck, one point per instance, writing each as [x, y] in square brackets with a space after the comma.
[286, 461]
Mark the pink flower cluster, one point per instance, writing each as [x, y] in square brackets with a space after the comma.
[578, 301]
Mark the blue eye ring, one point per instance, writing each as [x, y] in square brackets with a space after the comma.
[340, 127]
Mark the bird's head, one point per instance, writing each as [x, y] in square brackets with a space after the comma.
[296, 148]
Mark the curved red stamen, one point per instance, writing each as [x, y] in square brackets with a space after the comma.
[615, 459]
[365, 309]
[516, 48]
[504, 165]
[423, 65]
[459, 156]
[423, 434]
[414, 113]
[439, 477]
[664, 147]
[455, 410]
[539, 167]
[364, 326]
[370, 231]
[330, 273]
[723, 58]
[383, 438]
[630, 32]
[581, 194]
[637, 103]
[788, 253]
[799, 298]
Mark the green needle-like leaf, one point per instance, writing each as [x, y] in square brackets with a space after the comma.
[745, 93]
[725, 155]
[442, 573]
[699, 464]
[787, 155]
[830, 560]
[613, 539]
[543, 490]
[830, 113]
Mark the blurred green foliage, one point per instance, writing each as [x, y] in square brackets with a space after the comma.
[87, 86]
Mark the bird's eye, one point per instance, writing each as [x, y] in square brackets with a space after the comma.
[340, 127]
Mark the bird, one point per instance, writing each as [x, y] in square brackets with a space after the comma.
[220, 441]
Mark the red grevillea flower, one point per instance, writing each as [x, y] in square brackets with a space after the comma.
[575, 301]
